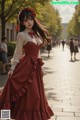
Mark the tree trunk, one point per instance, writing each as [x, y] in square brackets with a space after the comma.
[3, 18]
[3, 26]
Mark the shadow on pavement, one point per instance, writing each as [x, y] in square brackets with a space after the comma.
[74, 60]
[71, 61]
[48, 71]
[51, 96]
[46, 58]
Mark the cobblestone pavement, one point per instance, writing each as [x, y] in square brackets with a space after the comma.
[61, 82]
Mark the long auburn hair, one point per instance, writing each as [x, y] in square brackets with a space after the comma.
[39, 29]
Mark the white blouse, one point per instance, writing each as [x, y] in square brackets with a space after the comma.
[22, 39]
[4, 47]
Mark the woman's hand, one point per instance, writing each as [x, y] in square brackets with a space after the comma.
[10, 73]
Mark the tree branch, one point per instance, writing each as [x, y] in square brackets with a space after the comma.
[10, 8]
[17, 10]
[0, 2]
[14, 12]
[4, 0]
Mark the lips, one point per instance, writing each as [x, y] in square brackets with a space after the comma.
[29, 25]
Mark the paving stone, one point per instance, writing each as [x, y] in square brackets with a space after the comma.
[77, 114]
[71, 108]
[69, 114]
[68, 118]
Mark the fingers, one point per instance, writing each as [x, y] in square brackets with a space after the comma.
[10, 73]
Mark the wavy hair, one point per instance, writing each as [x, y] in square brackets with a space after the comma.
[39, 29]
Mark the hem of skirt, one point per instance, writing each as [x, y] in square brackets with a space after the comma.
[29, 115]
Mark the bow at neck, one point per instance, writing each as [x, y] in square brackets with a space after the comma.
[31, 33]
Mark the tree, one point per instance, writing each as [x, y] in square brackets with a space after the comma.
[52, 20]
[74, 25]
[10, 8]
[70, 28]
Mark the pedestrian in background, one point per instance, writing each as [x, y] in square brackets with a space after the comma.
[4, 51]
[49, 47]
[71, 44]
[76, 50]
[24, 92]
[63, 44]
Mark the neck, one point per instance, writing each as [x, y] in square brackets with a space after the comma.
[28, 30]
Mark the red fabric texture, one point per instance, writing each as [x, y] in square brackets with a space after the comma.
[24, 93]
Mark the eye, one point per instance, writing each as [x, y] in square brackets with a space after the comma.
[26, 20]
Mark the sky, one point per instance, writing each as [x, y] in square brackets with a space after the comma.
[66, 11]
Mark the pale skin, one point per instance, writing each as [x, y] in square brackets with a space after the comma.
[28, 24]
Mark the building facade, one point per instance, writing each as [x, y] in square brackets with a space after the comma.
[10, 31]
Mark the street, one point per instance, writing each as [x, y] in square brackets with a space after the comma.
[61, 82]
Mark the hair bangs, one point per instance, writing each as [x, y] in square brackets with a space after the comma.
[28, 16]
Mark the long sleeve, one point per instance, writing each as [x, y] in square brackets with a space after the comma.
[39, 56]
[18, 51]
[39, 41]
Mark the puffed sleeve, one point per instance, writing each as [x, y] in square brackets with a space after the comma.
[18, 51]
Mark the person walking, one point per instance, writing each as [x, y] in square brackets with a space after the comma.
[24, 92]
[71, 48]
[49, 47]
[4, 51]
[63, 44]
[76, 43]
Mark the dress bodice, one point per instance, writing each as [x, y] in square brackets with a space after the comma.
[29, 45]
[31, 49]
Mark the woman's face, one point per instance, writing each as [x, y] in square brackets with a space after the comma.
[29, 23]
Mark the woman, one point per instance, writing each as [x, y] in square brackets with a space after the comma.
[24, 93]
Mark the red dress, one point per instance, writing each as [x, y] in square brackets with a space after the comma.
[24, 93]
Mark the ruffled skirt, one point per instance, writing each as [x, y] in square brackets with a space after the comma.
[24, 93]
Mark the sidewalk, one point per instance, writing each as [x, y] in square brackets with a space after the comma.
[62, 84]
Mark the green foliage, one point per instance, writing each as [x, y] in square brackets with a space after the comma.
[73, 28]
[11, 48]
[46, 13]
[51, 19]
[11, 8]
